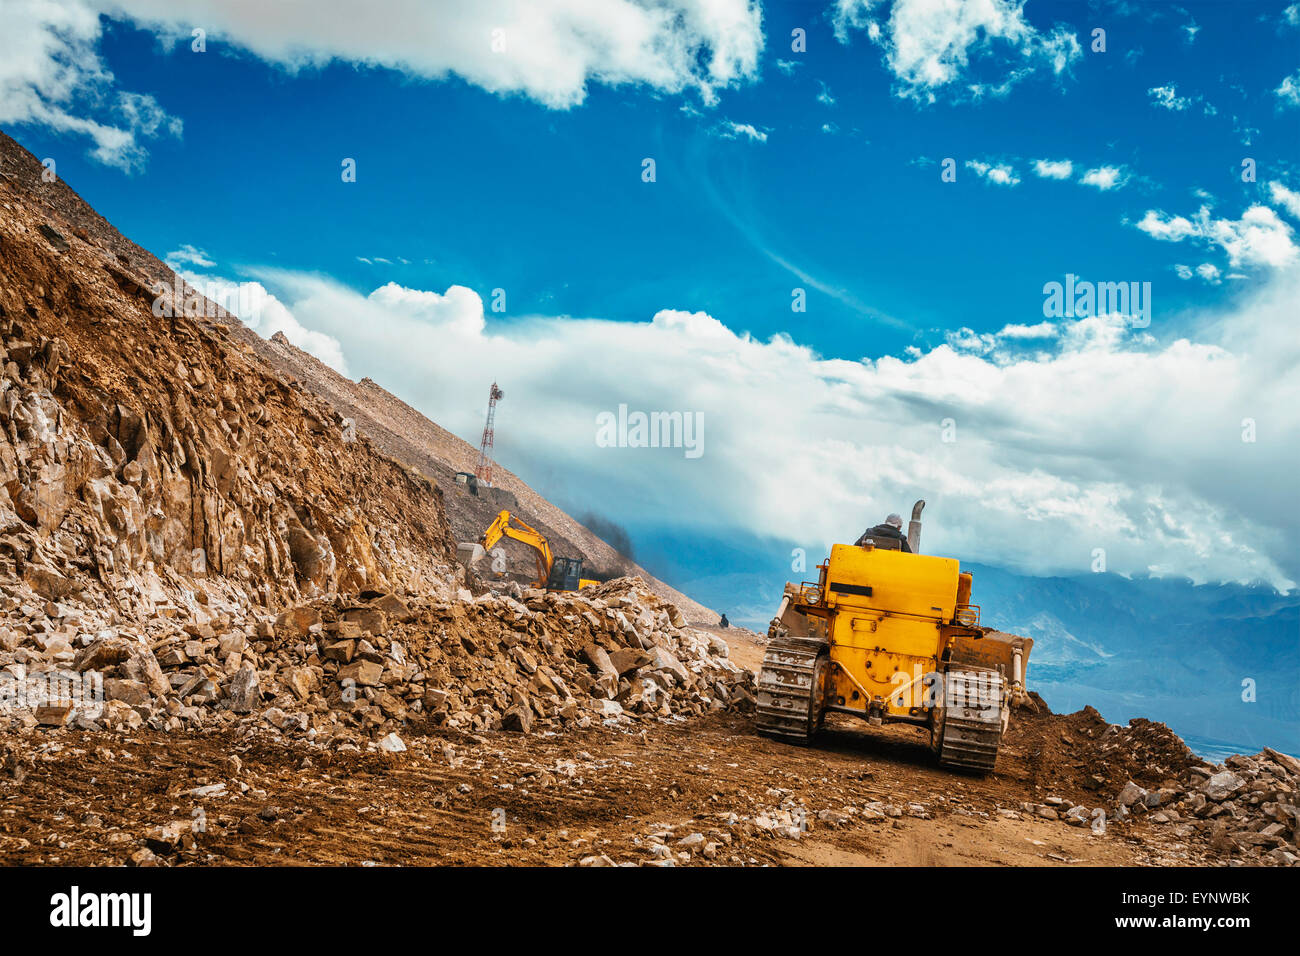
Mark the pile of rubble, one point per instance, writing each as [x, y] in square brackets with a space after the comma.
[367, 670]
[1247, 808]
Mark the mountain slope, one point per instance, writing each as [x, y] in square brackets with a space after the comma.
[411, 438]
[390, 425]
[142, 451]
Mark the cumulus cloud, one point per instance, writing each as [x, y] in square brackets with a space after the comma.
[1053, 168]
[1259, 238]
[1070, 435]
[1099, 177]
[51, 75]
[1105, 177]
[1288, 199]
[1039, 330]
[548, 50]
[929, 44]
[999, 173]
[1288, 91]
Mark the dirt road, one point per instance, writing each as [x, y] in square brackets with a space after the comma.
[606, 794]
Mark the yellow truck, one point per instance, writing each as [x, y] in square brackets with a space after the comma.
[892, 637]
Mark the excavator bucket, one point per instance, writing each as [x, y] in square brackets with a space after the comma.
[468, 553]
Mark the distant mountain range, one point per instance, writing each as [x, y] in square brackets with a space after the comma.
[1219, 663]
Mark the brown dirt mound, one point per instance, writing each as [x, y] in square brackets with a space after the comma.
[1082, 754]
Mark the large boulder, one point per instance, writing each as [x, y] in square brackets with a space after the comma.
[244, 691]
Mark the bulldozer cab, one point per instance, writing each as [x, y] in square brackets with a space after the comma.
[566, 575]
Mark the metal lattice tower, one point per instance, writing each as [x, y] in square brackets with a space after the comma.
[484, 470]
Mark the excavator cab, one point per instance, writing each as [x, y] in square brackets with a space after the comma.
[566, 574]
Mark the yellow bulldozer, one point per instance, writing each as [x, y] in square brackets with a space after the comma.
[892, 636]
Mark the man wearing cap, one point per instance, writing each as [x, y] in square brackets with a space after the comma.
[892, 528]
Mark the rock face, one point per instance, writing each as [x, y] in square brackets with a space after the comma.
[144, 452]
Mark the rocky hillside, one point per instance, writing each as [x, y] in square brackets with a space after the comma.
[393, 428]
[140, 451]
[406, 435]
[188, 535]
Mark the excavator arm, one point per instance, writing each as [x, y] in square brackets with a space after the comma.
[525, 533]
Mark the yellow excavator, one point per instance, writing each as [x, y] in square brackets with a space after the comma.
[554, 574]
[892, 637]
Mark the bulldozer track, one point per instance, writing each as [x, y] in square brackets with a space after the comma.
[788, 682]
[972, 720]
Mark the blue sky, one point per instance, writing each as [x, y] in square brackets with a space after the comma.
[776, 170]
[489, 191]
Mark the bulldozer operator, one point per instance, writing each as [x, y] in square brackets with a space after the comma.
[891, 530]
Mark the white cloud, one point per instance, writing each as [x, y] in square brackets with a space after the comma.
[51, 75]
[806, 448]
[1040, 330]
[1001, 173]
[929, 44]
[1292, 14]
[1101, 177]
[1288, 91]
[1054, 168]
[1105, 177]
[1288, 199]
[1167, 97]
[187, 255]
[1168, 228]
[1209, 272]
[1259, 238]
[1183, 271]
[548, 50]
[458, 311]
[728, 129]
